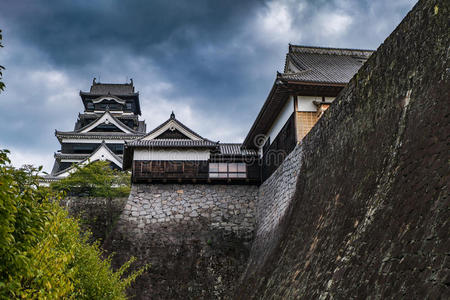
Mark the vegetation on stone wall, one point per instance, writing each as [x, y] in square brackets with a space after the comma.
[42, 252]
[96, 179]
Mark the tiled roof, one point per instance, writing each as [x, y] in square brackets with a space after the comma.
[141, 126]
[113, 117]
[324, 65]
[98, 135]
[172, 118]
[112, 88]
[56, 167]
[86, 158]
[80, 156]
[48, 178]
[234, 149]
[330, 51]
[98, 115]
[162, 143]
[121, 90]
[310, 70]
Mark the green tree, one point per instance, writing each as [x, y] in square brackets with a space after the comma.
[96, 179]
[43, 255]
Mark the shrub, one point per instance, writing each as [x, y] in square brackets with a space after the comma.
[43, 255]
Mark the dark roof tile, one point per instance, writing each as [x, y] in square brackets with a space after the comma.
[112, 88]
[234, 149]
[325, 65]
[182, 143]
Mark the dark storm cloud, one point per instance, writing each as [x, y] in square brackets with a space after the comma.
[79, 32]
[213, 62]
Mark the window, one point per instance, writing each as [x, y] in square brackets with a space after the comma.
[84, 148]
[227, 170]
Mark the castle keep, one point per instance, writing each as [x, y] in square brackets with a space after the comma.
[110, 118]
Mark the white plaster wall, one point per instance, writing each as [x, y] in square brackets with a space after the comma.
[103, 154]
[92, 141]
[282, 118]
[163, 154]
[71, 160]
[305, 103]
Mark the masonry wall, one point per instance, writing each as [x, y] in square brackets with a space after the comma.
[369, 218]
[195, 237]
[220, 207]
[272, 206]
[98, 215]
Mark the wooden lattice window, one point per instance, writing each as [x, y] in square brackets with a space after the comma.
[174, 167]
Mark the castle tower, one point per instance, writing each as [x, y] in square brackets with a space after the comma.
[110, 117]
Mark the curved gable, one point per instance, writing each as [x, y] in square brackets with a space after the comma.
[107, 119]
[102, 153]
[108, 98]
[170, 127]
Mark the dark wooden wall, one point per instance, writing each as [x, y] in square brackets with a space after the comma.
[170, 169]
[284, 143]
[187, 171]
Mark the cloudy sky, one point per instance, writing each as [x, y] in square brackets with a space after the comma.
[212, 62]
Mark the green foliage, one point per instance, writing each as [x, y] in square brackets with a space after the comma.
[42, 253]
[96, 179]
[2, 85]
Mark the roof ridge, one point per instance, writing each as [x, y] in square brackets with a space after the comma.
[110, 83]
[330, 50]
[174, 140]
[57, 132]
[95, 82]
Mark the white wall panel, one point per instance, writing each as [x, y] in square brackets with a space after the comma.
[156, 154]
[282, 118]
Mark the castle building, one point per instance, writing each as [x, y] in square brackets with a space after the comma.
[110, 118]
[172, 152]
[110, 129]
[312, 78]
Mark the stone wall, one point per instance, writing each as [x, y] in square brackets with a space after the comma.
[195, 237]
[274, 198]
[223, 207]
[96, 214]
[370, 215]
